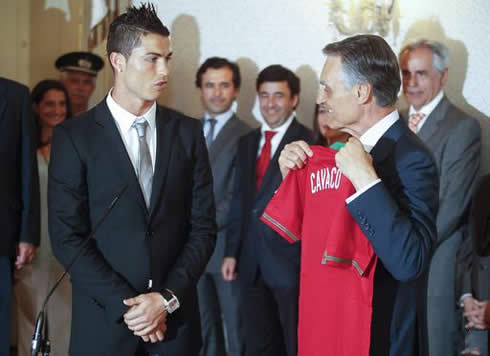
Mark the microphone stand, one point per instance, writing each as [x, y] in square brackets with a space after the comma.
[40, 341]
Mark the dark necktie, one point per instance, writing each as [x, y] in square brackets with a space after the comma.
[210, 134]
[264, 158]
[145, 168]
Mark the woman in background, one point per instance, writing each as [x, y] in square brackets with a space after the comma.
[322, 134]
[31, 283]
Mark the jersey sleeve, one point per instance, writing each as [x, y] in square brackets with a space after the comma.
[284, 213]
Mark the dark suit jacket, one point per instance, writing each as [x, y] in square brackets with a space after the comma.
[250, 241]
[398, 216]
[222, 155]
[19, 182]
[170, 243]
[473, 263]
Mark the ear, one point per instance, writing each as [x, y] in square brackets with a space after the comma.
[118, 62]
[362, 92]
[295, 100]
[444, 77]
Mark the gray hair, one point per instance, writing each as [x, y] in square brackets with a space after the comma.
[369, 59]
[440, 53]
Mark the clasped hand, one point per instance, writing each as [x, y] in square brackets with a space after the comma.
[147, 316]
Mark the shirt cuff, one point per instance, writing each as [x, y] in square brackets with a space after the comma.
[359, 192]
[462, 298]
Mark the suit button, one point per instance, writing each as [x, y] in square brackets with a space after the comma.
[255, 211]
[149, 234]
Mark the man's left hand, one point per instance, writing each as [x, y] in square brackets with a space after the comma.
[25, 254]
[356, 164]
[146, 314]
[477, 318]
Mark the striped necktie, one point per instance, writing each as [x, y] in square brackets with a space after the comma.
[414, 120]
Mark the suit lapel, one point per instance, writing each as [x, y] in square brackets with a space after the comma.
[384, 146]
[225, 135]
[165, 138]
[434, 120]
[252, 147]
[113, 143]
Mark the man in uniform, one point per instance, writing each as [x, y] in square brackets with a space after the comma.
[79, 71]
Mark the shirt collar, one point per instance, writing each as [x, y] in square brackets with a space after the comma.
[125, 119]
[223, 117]
[278, 130]
[374, 133]
[427, 108]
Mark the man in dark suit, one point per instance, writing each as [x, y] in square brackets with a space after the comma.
[219, 83]
[473, 271]
[453, 137]
[394, 175]
[19, 193]
[268, 266]
[136, 281]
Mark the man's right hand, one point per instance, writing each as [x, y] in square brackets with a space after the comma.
[158, 334]
[293, 156]
[228, 269]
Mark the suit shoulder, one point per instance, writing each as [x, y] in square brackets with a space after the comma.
[410, 148]
[304, 132]
[11, 85]
[241, 127]
[456, 118]
[182, 120]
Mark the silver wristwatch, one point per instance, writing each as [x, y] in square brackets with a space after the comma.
[170, 301]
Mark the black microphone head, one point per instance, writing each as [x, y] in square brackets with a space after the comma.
[37, 337]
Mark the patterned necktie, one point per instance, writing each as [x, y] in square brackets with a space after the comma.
[414, 120]
[210, 134]
[264, 158]
[145, 168]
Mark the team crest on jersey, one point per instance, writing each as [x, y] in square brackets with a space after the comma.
[325, 178]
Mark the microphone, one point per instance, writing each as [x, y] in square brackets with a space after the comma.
[36, 339]
[39, 344]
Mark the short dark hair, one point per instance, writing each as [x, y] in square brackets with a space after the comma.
[218, 63]
[368, 58]
[38, 93]
[278, 73]
[126, 30]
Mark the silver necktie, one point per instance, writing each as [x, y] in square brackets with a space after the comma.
[210, 134]
[145, 168]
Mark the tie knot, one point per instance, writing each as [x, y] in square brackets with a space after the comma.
[269, 135]
[211, 121]
[414, 120]
[140, 125]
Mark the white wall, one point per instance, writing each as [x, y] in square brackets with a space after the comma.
[257, 33]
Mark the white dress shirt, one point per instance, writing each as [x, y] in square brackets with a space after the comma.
[426, 109]
[369, 140]
[276, 139]
[124, 121]
[221, 121]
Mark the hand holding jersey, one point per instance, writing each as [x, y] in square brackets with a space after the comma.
[294, 156]
[356, 164]
[352, 160]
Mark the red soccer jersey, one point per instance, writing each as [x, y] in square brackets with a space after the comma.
[337, 260]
